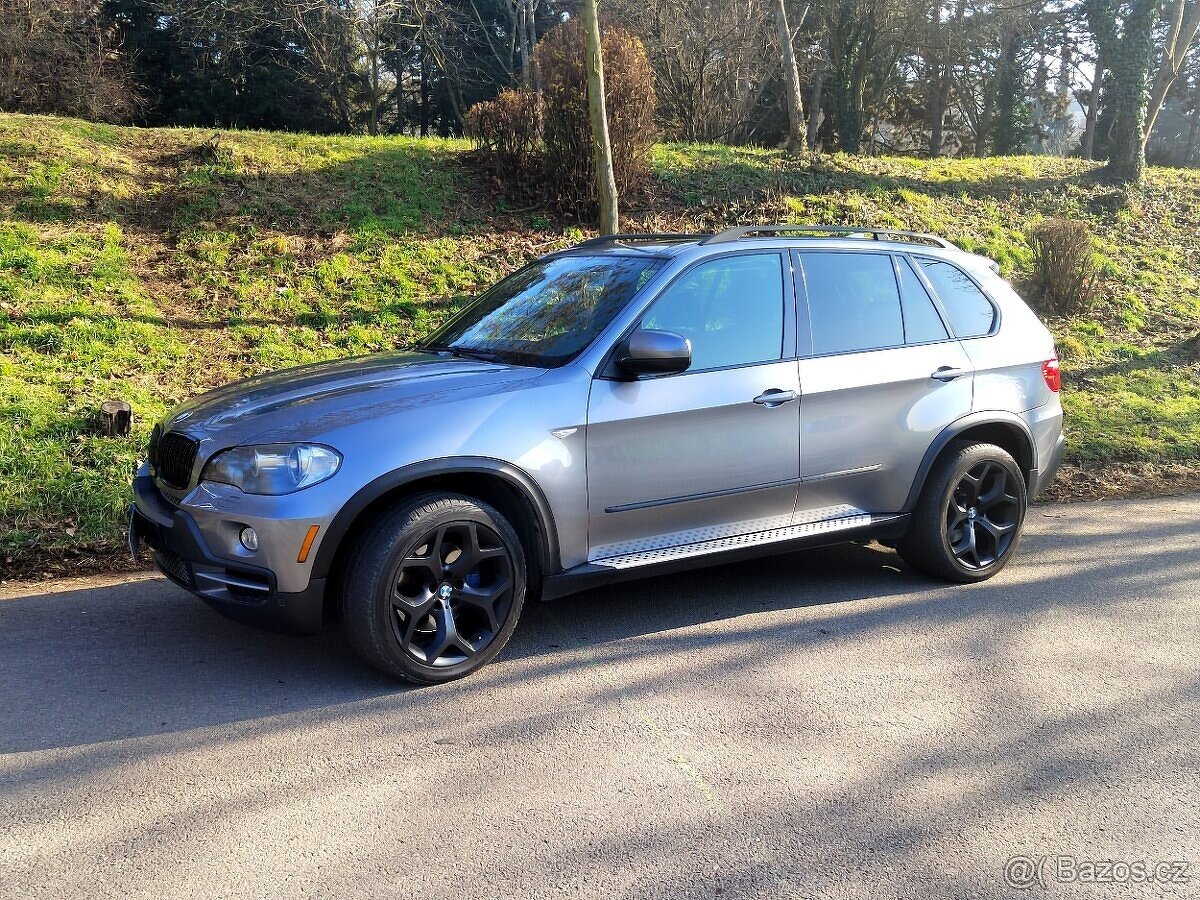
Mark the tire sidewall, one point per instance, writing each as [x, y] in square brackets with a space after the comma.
[413, 529]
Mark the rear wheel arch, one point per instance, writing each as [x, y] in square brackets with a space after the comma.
[499, 484]
[1005, 430]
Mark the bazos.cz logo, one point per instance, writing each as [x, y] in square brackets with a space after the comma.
[1024, 872]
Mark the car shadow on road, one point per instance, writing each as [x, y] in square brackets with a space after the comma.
[145, 659]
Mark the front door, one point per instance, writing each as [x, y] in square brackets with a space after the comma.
[713, 451]
[884, 378]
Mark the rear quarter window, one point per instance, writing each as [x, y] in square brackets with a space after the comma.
[971, 313]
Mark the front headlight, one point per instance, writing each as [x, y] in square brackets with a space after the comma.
[273, 468]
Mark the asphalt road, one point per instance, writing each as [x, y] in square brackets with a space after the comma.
[825, 724]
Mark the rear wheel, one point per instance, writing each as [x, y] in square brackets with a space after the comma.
[969, 518]
[434, 589]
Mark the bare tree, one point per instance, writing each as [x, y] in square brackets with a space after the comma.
[606, 182]
[1184, 25]
[57, 57]
[712, 61]
[791, 79]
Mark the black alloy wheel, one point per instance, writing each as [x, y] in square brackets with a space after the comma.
[982, 515]
[452, 592]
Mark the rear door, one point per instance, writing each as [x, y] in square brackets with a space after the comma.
[1008, 369]
[882, 378]
[714, 451]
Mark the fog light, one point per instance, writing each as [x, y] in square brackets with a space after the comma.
[249, 538]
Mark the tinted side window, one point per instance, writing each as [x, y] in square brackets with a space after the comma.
[971, 313]
[731, 309]
[853, 302]
[921, 320]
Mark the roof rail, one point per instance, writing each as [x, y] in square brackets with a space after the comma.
[648, 238]
[879, 234]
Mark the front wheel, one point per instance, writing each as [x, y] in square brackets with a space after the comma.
[434, 589]
[969, 518]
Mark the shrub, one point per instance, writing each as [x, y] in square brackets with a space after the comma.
[506, 131]
[56, 58]
[541, 147]
[567, 138]
[1064, 266]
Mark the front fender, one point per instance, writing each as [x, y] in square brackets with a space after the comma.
[515, 477]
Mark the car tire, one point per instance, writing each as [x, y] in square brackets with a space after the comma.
[434, 588]
[970, 514]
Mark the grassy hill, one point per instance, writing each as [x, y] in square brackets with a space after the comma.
[149, 265]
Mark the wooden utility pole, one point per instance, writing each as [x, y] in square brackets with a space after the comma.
[606, 182]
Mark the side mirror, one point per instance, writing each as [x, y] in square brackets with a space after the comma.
[648, 352]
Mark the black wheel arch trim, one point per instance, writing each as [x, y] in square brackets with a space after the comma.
[958, 427]
[514, 476]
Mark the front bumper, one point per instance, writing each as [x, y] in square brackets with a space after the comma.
[236, 588]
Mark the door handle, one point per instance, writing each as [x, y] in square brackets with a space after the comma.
[775, 397]
[949, 373]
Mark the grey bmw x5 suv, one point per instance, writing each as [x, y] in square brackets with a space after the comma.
[633, 405]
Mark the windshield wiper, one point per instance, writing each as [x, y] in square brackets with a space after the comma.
[467, 352]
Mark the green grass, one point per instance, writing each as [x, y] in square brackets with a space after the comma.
[149, 265]
[139, 265]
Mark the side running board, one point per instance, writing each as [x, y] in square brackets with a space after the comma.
[735, 542]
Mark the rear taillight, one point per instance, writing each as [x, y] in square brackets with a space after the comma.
[1053, 374]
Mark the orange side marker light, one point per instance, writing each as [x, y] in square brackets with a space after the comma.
[308, 542]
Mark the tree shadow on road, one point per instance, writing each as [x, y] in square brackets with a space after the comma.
[146, 659]
[881, 733]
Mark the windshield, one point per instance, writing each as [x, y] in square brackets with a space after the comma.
[547, 313]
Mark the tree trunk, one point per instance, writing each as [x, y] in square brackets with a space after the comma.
[522, 34]
[606, 184]
[424, 95]
[1129, 54]
[1008, 135]
[983, 133]
[1088, 146]
[535, 81]
[847, 112]
[114, 419]
[1189, 154]
[791, 79]
[1127, 162]
[936, 60]
[373, 127]
[943, 71]
[937, 117]
[814, 107]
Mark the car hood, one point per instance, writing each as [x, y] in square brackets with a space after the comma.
[306, 402]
